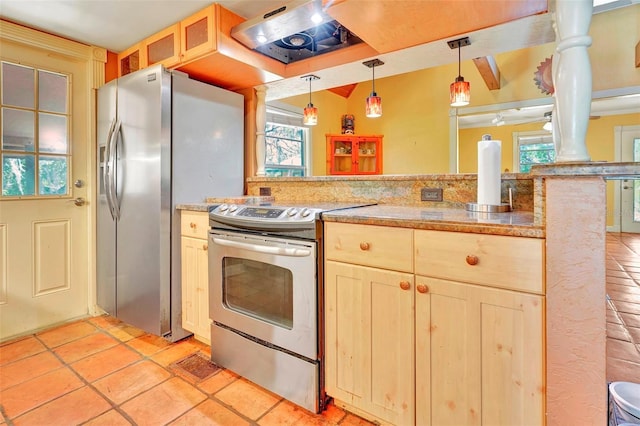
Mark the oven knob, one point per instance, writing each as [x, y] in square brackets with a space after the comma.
[233, 208]
[223, 207]
[305, 212]
[292, 211]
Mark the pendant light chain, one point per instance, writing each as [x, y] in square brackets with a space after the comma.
[373, 80]
[459, 72]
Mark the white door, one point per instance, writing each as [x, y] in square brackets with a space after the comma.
[45, 147]
[630, 188]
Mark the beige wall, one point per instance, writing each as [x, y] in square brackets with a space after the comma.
[415, 121]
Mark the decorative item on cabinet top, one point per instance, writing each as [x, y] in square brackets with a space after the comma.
[354, 154]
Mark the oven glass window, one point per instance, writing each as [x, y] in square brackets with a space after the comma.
[259, 290]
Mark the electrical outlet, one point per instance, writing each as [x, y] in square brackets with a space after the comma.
[431, 194]
[265, 191]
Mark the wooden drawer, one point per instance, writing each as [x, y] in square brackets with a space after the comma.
[514, 263]
[194, 224]
[377, 246]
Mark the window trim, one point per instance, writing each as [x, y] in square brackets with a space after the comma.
[525, 138]
[289, 115]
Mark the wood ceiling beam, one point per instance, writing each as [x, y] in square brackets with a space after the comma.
[489, 71]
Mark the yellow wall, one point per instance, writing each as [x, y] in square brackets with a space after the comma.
[600, 140]
[415, 121]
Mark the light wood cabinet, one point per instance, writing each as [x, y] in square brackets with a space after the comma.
[132, 59]
[479, 357]
[202, 47]
[473, 338]
[195, 274]
[369, 338]
[198, 34]
[164, 47]
[354, 155]
[514, 263]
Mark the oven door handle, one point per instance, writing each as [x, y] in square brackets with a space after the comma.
[281, 251]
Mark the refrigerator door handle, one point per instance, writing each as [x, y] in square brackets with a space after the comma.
[105, 168]
[112, 193]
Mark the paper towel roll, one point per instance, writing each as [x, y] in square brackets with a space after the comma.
[489, 154]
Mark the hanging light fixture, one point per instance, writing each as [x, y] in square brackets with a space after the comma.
[374, 102]
[310, 117]
[459, 90]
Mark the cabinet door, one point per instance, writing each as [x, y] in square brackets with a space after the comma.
[479, 356]
[132, 59]
[198, 34]
[164, 47]
[341, 152]
[195, 287]
[369, 340]
[369, 155]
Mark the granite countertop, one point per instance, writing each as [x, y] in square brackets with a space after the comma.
[517, 223]
[196, 207]
[215, 201]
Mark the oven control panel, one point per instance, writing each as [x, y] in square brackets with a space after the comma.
[253, 216]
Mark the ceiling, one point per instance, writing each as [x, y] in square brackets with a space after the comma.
[119, 24]
[115, 24]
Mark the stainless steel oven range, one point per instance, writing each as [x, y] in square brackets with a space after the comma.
[266, 294]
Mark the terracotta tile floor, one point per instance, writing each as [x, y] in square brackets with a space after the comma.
[623, 307]
[100, 371]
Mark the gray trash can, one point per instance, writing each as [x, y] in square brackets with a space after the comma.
[624, 403]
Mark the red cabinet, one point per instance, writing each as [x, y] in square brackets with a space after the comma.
[354, 154]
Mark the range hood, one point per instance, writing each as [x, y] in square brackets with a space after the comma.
[297, 30]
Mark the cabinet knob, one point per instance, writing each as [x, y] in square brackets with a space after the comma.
[405, 285]
[472, 259]
[364, 246]
[192, 225]
[422, 288]
[205, 247]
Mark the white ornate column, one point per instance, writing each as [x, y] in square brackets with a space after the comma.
[261, 118]
[572, 79]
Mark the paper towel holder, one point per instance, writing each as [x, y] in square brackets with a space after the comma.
[491, 208]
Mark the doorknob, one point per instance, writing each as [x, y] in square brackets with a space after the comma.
[626, 187]
[78, 201]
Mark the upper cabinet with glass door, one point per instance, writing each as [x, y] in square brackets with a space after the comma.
[184, 41]
[201, 46]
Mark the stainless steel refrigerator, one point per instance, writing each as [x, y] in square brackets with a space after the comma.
[163, 140]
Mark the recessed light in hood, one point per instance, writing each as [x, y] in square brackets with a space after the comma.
[298, 30]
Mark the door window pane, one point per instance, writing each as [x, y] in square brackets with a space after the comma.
[18, 130]
[53, 133]
[35, 148]
[18, 85]
[18, 174]
[52, 92]
[53, 175]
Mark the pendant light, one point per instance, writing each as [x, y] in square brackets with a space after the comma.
[459, 90]
[310, 117]
[374, 102]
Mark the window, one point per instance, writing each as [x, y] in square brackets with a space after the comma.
[533, 148]
[34, 123]
[286, 141]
